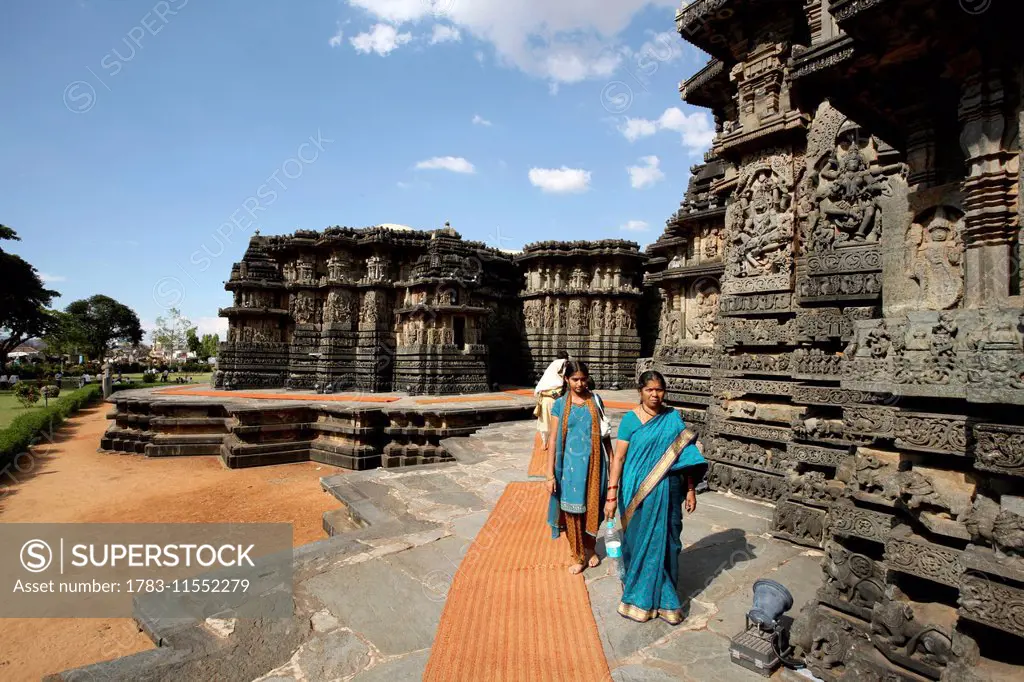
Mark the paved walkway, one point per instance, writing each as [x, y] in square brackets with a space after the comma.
[369, 600]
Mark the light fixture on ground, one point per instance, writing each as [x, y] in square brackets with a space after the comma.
[760, 645]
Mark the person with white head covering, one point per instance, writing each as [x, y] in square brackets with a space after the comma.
[548, 389]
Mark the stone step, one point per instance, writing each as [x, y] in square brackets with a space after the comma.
[465, 450]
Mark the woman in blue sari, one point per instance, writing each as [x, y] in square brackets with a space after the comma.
[578, 466]
[657, 461]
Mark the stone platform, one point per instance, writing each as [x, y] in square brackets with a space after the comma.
[256, 428]
[369, 598]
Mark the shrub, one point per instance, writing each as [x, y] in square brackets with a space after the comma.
[149, 378]
[50, 392]
[26, 429]
[27, 393]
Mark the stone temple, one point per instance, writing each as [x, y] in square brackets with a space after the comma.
[836, 304]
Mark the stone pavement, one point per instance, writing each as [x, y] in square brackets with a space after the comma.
[369, 599]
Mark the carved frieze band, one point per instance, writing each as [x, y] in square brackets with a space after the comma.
[823, 63]
[695, 398]
[931, 432]
[847, 520]
[777, 434]
[671, 371]
[999, 448]
[759, 364]
[763, 283]
[692, 353]
[814, 454]
[826, 395]
[748, 455]
[763, 332]
[839, 261]
[759, 303]
[870, 421]
[840, 287]
[916, 556]
[800, 524]
[994, 603]
[746, 482]
[733, 388]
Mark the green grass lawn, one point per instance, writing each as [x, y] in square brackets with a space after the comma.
[11, 408]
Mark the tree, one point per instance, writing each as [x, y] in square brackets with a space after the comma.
[23, 300]
[193, 342]
[65, 335]
[172, 331]
[99, 320]
[208, 346]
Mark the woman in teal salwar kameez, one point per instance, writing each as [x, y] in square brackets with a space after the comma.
[656, 467]
[578, 466]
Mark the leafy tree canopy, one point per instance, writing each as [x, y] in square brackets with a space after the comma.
[24, 300]
[99, 321]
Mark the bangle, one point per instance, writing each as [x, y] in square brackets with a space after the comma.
[612, 487]
[611, 499]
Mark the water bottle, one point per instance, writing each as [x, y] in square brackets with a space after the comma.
[612, 542]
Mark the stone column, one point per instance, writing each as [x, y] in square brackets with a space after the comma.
[990, 188]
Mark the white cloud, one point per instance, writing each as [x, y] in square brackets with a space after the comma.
[696, 129]
[647, 174]
[634, 226]
[336, 39]
[455, 164]
[635, 128]
[445, 34]
[567, 41]
[382, 39]
[403, 185]
[211, 325]
[481, 121]
[50, 279]
[560, 180]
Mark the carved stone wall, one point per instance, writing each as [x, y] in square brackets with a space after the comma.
[583, 297]
[866, 372]
[370, 309]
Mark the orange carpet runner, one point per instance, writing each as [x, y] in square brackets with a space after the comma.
[513, 612]
[539, 458]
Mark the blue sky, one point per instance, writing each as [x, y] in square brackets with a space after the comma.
[140, 137]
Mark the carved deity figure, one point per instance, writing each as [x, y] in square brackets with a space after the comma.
[305, 271]
[302, 308]
[338, 307]
[579, 278]
[935, 247]
[761, 226]
[289, 272]
[701, 326]
[597, 315]
[711, 242]
[369, 313]
[573, 321]
[848, 196]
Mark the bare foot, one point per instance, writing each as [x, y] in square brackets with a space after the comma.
[576, 569]
[594, 561]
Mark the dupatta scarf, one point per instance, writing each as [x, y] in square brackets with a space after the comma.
[651, 496]
[596, 476]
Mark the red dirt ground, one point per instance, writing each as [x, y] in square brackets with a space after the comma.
[71, 482]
